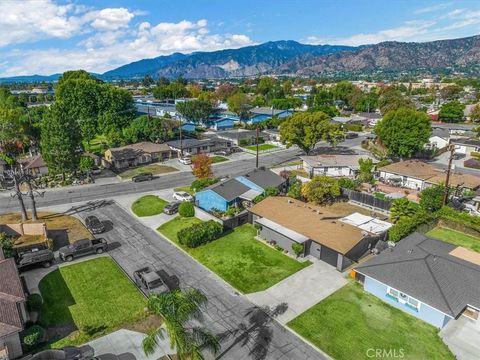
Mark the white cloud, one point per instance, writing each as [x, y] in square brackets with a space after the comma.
[433, 8]
[112, 19]
[108, 49]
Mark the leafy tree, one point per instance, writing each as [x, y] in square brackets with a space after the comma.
[295, 189]
[285, 104]
[305, 130]
[404, 131]
[240, 104]
[431, 198]
[194, 90]
[366, 167]
[224, 91]
[60, 140]
[321, 190]
[451, 112]
[392, 99]
[403, 209]
[178, 310]
[144, 128]
[347, 92]
[347, 183]
[367, 102]
[147, 81]
[195, 110]
[32, 122]
[335, 135]
[475, 113]
[208, 96]
[451, 92]
[202, 166]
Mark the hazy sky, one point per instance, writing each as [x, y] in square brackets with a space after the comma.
[49, 36]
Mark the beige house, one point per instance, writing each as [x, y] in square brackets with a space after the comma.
[136, 155]
[13, 311]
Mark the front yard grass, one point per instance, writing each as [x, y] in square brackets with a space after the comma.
[245, 263]
[148, 205]
[455, 237]
[184, 188]
[90, 298]
[215, 159]
[261, 147]
[155, 169]
[350, 322]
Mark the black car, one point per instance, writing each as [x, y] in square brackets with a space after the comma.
[81, 248]
[351, 135]
[142, 177]
[43, 258]
[94, 225]
[171, 208]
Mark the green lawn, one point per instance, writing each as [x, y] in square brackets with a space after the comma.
[155, 169]
[238, 258]
[148, 205]
[218, 159]
[93, 296]
[456, 238]
[261, 147]
[184, 188]
[97, 145]
[350, 322]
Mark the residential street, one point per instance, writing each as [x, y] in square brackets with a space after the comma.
[247, 331]
[98, 191]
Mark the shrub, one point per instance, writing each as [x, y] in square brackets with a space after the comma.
[186, 209]
[295, 190]
[232, 211]
[6, 244]
[347, 183]
[34, 302]
[33, 335]
[462, 218]
[297, 249]
[354, 127]
[200, 184]
[382, 163]
[405, 226]
[199, 234]
[245, 142]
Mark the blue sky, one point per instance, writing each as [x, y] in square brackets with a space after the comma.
[49, 36]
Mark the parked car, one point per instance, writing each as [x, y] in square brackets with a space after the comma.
[351, 135]
[185, 160]
[84, 352]
[94, 225]
[81, 248]
[96, 170]
[142, 177]
[182, 196]
[43, 258]
[223, 152]
[171, 208]
[150, 281]
[458, 156]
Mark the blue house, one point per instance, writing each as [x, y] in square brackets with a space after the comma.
[219, 123]
[261, 114]
[188, 127]
[427, 278]
[232, 192]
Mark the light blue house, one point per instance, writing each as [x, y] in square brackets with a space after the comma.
[427, 278]
[220, 123]
[261, 114]
[232, 192]
[188, 127]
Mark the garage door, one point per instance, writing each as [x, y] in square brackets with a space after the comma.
[329, 256]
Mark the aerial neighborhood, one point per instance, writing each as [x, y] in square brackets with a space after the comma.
[272, 200]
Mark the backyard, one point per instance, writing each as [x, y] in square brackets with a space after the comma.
[455, 237]
[261, 147]
[155, 169]
[86, 300]
[148, 205]
[245, 263]
[350, 323]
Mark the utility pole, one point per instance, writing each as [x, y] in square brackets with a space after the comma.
[257, 149]
[181, 141]
[447, 179]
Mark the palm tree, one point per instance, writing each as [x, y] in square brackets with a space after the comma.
[403, 208]
[179, 310]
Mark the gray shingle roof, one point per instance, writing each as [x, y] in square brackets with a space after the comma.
[264, 178]
[423, 268]
[230, 189]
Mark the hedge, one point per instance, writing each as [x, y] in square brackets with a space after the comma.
[201, 184]
[469, 221]
[34, 302]
[186, 209]
[354, 127]
[406, 226]
[33, 336]
[199, 234]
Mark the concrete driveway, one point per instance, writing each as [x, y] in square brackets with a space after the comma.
[462, 337]
[301, 290]
[128, 342]
[245, 330]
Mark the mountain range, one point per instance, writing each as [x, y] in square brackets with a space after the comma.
[293, 58]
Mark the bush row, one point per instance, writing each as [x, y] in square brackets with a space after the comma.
[201, 184]
[200, 234]
[406, 226]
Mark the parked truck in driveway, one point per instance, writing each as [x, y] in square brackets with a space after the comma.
[151, 281]
[81, 248]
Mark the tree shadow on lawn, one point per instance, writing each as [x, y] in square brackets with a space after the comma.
[256, 331]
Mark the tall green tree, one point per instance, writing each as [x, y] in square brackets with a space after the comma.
[365, 170]
[144, 128]
[403, 209]
[392, 99]
[305, 130]
[195, 110]
[60, 140]
[431, 198]
[404, 131]
[321, 190]
[241, 104]
[451, 112]
[179, 310]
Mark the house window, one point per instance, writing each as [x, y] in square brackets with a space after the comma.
[393, 293]
[403, 298]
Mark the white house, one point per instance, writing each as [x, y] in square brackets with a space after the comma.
[332, 164]
[439, 139]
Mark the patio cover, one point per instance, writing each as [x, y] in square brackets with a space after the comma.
[367, 223]
[250, 194]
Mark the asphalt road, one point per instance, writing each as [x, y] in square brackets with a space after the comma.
[96, 192]
[246, 331]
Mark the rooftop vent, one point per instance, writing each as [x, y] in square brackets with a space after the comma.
[410, 251]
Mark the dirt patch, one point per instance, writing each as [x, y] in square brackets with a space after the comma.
[145, 325]
[346, 208]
